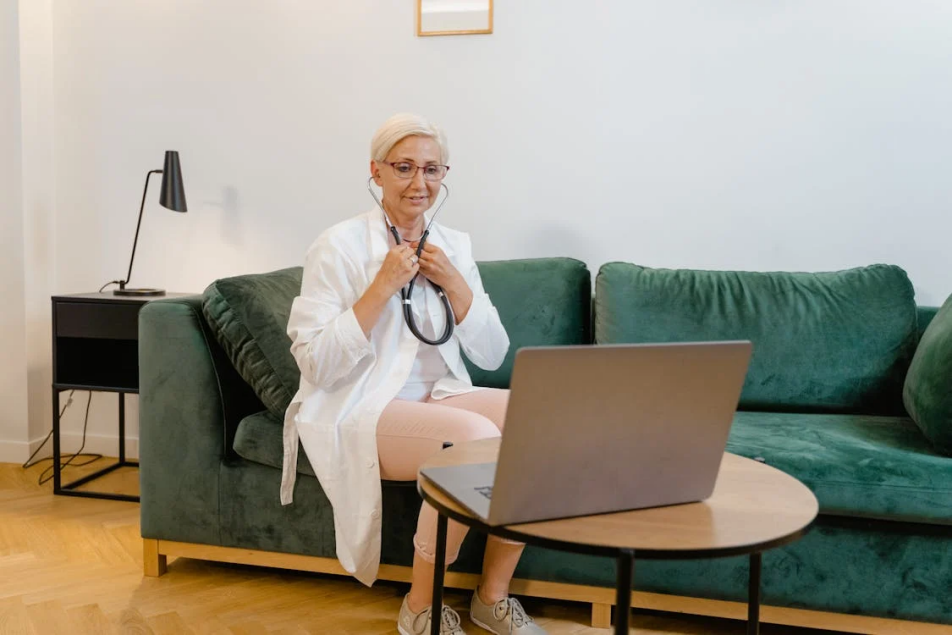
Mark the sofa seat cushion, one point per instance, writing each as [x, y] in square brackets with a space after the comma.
[927, 393]
[259, 438]
[827, 342]
[249, 317]
[857, 465]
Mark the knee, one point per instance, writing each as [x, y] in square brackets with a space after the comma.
[470, 426]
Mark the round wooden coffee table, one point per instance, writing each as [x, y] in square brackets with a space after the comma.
[754, 507]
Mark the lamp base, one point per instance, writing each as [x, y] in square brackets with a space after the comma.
[129, 291]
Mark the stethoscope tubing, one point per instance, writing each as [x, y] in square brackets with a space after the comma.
[406, 293]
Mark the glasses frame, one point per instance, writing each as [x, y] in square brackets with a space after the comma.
[416, 169]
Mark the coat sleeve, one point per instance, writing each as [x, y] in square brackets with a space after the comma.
[326, 339]
[481, 334]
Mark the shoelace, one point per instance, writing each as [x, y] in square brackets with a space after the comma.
[511, 607]
[449, 620]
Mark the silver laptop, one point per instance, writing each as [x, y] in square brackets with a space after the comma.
[605, 428]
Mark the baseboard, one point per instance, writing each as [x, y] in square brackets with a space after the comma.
[107, 445]
[158, 550]
[15, 451]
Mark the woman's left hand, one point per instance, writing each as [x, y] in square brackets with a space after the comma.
[437, 267]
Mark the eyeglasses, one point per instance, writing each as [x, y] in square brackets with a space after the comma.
[404, 170]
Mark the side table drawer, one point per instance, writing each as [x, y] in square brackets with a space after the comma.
[97, 320]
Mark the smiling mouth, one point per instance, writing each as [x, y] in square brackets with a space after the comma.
[418, 198]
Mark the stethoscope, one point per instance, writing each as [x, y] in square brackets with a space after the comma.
[407, 292]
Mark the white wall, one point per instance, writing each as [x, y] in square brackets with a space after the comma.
[751, 135]
[39, 184]
[13, 350]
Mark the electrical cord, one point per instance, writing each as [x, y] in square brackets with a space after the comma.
[109, 283]
[26, 465]
[46, 475]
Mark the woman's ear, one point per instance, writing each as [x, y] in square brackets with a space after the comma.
[375, 173]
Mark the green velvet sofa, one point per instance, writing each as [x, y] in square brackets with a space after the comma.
[824, 401]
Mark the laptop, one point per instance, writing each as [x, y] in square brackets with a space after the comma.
[606, 428]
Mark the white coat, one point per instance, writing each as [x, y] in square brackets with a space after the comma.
[347, 379]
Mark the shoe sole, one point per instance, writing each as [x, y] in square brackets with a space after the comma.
[480, 624]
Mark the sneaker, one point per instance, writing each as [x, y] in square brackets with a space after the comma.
[409, 623]
[505, 617]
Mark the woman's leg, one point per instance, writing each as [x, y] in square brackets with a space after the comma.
[408, 433]
[502, 556]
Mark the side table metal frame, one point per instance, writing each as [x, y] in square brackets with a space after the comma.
[69, 489]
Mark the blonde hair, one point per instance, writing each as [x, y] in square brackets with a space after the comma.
[403, 125]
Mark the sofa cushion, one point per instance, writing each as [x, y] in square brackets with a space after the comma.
[828, 342]
[925, 316]
[259, 438]
[857, 465]
[249, 317]
[927, 393]
[541, 302]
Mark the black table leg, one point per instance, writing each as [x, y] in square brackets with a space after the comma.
[57, 477]
[122, 427]
[436, 615]
[625, 566]
[753, 596]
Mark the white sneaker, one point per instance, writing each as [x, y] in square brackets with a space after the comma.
[409, 623]
[505, 617]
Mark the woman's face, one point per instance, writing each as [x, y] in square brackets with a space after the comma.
[406, 199]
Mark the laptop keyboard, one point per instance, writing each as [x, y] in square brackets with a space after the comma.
[486, 491]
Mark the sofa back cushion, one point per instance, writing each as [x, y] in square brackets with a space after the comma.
[544, 301]
[541, 302]
[826, 342]
[249, 317]
[927, 393]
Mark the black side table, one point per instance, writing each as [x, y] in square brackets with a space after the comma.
[96, 348]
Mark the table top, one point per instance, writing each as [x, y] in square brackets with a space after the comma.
[108, 296]
[754, 507]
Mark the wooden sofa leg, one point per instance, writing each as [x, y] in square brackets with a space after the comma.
[153, 563]
[601, 615]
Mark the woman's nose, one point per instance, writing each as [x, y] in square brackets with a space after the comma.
[418, 177]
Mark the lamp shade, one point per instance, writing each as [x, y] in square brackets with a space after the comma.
[172, 195]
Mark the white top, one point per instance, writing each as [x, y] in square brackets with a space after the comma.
[347, 379]
[428, 366]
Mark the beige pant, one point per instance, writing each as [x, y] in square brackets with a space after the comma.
[410, 432]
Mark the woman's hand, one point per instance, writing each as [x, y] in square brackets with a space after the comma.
[436, 266]
[397, 270]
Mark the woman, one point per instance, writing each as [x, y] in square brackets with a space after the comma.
[374, 401]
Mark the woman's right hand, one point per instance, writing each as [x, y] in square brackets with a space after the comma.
[397, 270]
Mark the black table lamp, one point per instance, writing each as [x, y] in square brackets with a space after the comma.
[171, 197]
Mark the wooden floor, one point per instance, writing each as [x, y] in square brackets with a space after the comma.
[74, 565]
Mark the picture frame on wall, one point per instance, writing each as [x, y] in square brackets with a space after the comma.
[454, 17]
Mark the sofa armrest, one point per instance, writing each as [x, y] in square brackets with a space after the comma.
[182, 421]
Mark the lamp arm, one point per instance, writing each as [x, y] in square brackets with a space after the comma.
[123, 283]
